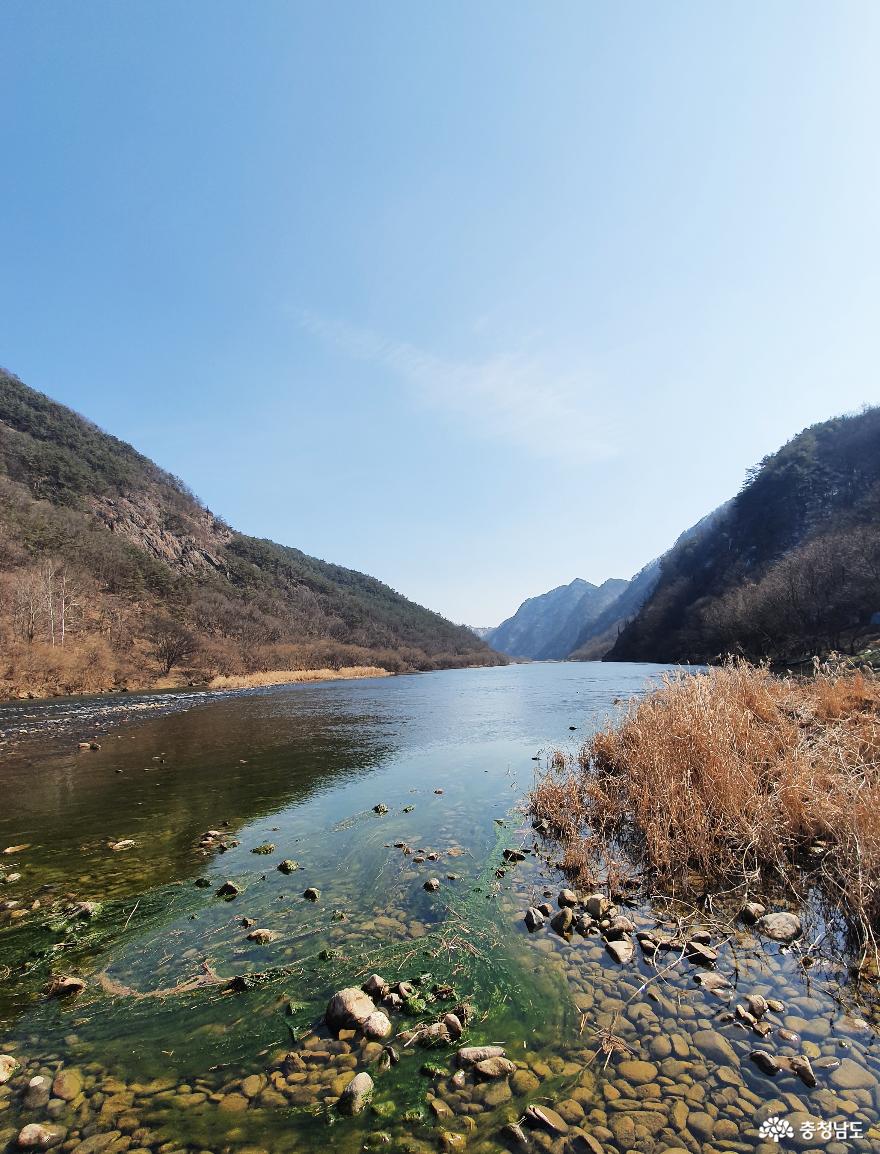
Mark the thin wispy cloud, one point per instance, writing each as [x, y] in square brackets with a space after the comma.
[510, 397]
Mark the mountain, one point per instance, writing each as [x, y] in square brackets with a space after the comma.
[597, 636]
[481, 631]
[546, 627]
[788, 568]
[105, 559]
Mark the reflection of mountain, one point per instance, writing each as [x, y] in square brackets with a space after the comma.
[166, 782]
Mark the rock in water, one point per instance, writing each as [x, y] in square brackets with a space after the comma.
[8, 1066]
[311, 894]
[262, 937]
[563, 921]
[598, 906]
[765, 1062]
[621, 949]
[348, 1009]
[751, 911]
[567, 898]
[781, 927]
[376, 987]
[546, 1118]
[288, 865]
[432, 885]
[470, 1055]
[356, 1095]
[800, 1065]
[534, 919]
[377, 1025]
[66, 987]
[495, 1068]
[36, 1136]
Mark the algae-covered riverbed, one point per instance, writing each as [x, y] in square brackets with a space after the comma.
[368, 790]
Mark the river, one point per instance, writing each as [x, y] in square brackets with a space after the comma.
[369, 789]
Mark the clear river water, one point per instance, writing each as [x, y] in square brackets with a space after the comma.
[194, 1032]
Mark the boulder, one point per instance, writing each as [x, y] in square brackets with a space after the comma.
[620, 927]
[567, 898]
[356, 1095]
[8, 1066]
[781, 927]
[348, 1009]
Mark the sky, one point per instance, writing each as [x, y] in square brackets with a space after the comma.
[476, 297]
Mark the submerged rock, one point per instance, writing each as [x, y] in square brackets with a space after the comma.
[65, 987]
[765, 1062]
[356, 1095]
[492, 1068]
[262, 937]
[781, 927]
[37, 1136]
[470, 1055]
[546, 1118]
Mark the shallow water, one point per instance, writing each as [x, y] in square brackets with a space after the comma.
[300, 768]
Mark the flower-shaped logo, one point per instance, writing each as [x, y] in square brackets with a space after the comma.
[775, 1128]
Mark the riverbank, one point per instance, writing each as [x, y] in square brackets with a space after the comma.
[732, 778]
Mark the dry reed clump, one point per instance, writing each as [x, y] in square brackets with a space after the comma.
[285, 676]
[735, 773]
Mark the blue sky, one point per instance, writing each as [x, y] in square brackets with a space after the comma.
[476, 297]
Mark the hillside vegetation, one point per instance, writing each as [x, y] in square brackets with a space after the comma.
[788, 569]
[112, 574]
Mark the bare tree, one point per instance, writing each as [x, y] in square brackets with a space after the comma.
[170, 642]
[27, 604]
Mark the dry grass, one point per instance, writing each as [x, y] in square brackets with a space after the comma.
[738, 776]
[286, 676]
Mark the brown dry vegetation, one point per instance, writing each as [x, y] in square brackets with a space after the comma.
[735, 776]
[289, 676]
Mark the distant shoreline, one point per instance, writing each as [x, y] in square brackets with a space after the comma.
[292, 676]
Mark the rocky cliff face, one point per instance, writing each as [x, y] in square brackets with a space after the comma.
[191, 545]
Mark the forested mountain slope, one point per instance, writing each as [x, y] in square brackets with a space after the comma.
[788, 569]
[104, 557]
